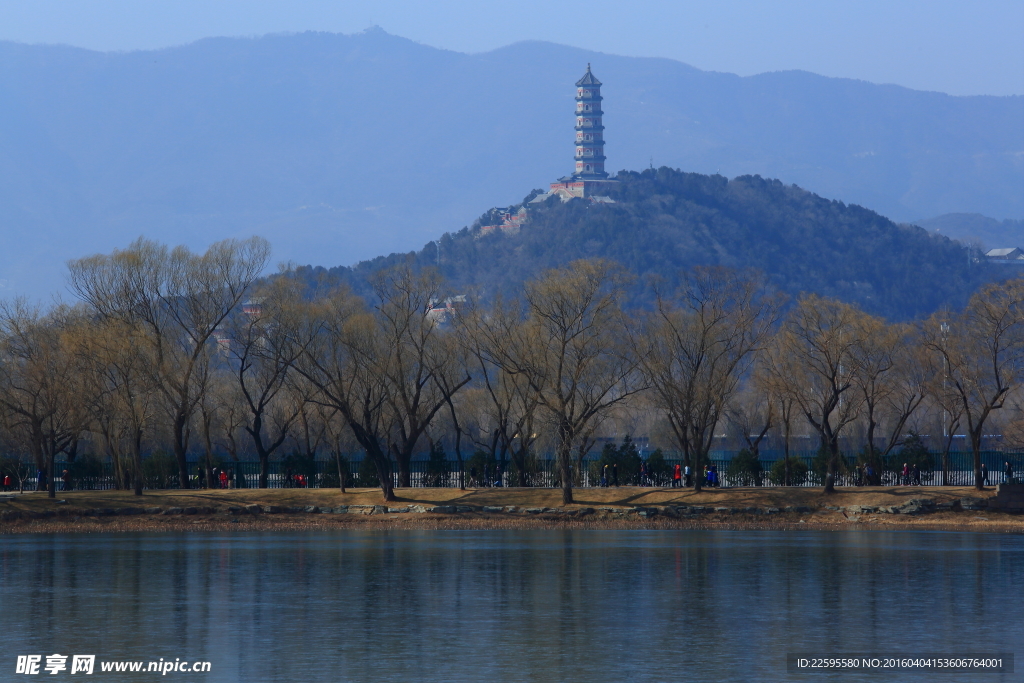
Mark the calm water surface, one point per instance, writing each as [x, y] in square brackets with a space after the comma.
[508, 606]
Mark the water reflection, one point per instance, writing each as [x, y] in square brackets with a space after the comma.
[508, 606]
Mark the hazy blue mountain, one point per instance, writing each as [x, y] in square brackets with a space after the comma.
[973, 227]
[338, 148]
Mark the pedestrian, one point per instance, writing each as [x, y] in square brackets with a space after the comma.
[677, 476]
[917, 475]
[869, 474]
[605, 471]
[688, 475]
[984, 474]
[223, 479]
[65, 477]
[615, 474]
[643, 473]
[7, 482]
[714, 475]
[1009, 473]
[707, 475]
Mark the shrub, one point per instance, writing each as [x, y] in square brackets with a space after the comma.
[367, 475]
[159, 469]
[329, 478]
[659, 470]
[797, 472]
[481, 468]
[437, 473]
[626, 456]
[744, 469]
[85, 470]
[532, 471]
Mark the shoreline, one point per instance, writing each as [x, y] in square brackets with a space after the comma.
[782, 509]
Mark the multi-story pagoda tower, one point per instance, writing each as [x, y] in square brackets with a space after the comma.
[589, 179]
[589, 131]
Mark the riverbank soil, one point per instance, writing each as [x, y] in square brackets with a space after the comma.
[941, 508]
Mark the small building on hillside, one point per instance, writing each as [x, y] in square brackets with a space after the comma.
[440, 312]
[1010, 255]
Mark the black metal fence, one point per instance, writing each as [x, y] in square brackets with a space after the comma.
[805, 469]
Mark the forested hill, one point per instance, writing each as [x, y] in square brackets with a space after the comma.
[665, 220]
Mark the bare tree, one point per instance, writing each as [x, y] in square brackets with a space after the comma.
[508, 403]
[115, 363]
[266, 339]
[983, 353]
[413, 358]
[342, 363]
[697, 346]
[815, 357]
[39, 384]
[570, 345]
[176, 299]
[889, 375]
[779, 390]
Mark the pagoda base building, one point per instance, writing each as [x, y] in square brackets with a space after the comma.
[570, 187]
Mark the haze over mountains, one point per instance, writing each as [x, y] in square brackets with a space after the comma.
[973, 228]
[339, 148]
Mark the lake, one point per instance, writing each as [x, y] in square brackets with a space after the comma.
[498, 606]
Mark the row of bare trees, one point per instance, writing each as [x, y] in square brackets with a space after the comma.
[194, 350]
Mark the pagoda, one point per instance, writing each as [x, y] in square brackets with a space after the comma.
[589, 178]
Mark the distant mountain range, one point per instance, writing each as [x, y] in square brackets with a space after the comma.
[973, 228]
[338, 148]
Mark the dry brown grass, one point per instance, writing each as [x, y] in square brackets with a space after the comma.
[625, 497]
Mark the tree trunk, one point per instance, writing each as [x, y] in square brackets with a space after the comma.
[519, 460]
[264, 468]
[51, 485]
[945, 458]
[39, 456]
[386, 482]
[341, 474]
[137, 462]
[698, 485]
[403, 458]
[979, 483]
[786, 478]
[565, 471]
[181, 451]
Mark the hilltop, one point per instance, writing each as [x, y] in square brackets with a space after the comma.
[337, 148]
[665, 220]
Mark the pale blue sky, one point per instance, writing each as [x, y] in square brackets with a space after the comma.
[958, 47]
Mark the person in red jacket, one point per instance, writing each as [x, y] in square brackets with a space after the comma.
[677, 476]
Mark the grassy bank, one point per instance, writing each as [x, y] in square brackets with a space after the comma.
[611, 508]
